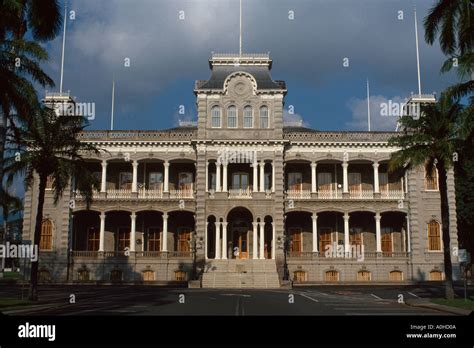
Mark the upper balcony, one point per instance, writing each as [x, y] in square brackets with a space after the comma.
[143, 179]
[354, 180]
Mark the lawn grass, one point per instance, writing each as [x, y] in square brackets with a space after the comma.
[457, 302]
[11, 275]
[13, 302]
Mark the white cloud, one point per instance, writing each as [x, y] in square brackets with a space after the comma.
[378, 122]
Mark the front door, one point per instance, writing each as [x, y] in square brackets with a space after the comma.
[241, 247]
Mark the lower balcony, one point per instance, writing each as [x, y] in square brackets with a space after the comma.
[370, 255]
[138, 254]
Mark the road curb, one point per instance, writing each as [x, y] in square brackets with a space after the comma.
[438, 307]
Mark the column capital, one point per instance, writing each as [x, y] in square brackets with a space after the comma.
[102, 215]
[135, 163]
[224, 223]
[346, 216]
[104, 163]
[345, 164]
[133, 215]
[255, 224]
[314, 216]
[166, 163]
[165, 215]
[375, 164]
[377, 216]
[314, 164]
[261, 163]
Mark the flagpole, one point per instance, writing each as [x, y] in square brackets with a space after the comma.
[113, 102]
[64, 44]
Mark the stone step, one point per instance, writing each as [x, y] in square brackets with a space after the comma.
[241, 280]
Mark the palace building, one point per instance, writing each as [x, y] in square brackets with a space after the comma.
[243, 200]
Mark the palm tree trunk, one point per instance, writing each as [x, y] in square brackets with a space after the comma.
[448, 267]
[37, 237]
[3, 136]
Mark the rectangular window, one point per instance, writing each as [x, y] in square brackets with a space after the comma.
[324, 238]
[295, 181]
[355, 236]
[93, 239]
[248, 117]
[232, 117]
[383, 182]
[355, 183]
[216, 117]
[123, 238]
[386, 233]
[125, 180]
[184, 237]
[296, 239]
[155, 180]
[264, 117]
[324, 182]
[185, 181]
[240, 181]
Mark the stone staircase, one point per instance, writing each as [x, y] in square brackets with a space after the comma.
[241, 274]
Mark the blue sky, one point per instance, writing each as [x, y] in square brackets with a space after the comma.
[168, 54]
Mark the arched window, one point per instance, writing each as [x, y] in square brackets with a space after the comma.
[83, 275]
[363, 276]
[148, 276]
[436, 276]
[216, 117]
[44, 276]
[395, 276]
[300, 276]
[180, 276]
[431, 179]
[248, 117]
[332, 276]
[46, 241]
[434, 236]
[232, 117]
[116, 275]
[264, 117]
[93, 239]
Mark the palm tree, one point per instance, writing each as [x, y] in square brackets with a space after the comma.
[43, 19]
[49, 148]
[19, 59]
[453, 22]
[431, 140]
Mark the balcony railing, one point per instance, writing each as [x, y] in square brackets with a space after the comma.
[240, 193]
[330, 194]
[179, 194]
[392, 194]
[361, 194]
[119, 194]
[368, 255]
[150, 254]
[150, 194]
[298, 194]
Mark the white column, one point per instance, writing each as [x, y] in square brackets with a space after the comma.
[345, 188]
[255, 177]
[273, 240]
[167, 177]
[218, 240]
[347, 246]
[262, 176]
[273, 176]
[262, 240]
[224, 240]
[376, 177]
[164, 242]
[377, 233]
[218, 177]
[102, 232]
[255, 240]
[315, 233]
[207, 175]
[205, 241]
[224, 177]
[133, 226]
[135, 176]
[313, 177]
[103, 183]
[408, 235]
